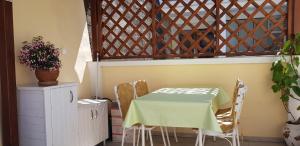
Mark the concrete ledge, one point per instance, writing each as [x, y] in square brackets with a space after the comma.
[216, 60]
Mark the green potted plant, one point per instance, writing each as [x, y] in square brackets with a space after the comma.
[43, 58]
[286, 81]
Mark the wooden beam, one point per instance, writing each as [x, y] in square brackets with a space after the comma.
[291, 20]
[7, 76]
[297, 15]
[95, 30]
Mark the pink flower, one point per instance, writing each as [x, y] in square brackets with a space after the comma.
[40, 55]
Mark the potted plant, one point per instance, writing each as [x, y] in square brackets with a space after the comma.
[286, 81]
[43, 58]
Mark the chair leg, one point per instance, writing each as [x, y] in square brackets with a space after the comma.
[200, 135]
[197, 140]
[147, 136]
[228, 140]
[175, 134]
[163, 136]
[214, 138]
[237, 136]
[204, 136]
[143, 135]
[134, 129]
[138, 137]
[123, 136]
[167, 135]
[150, 136]
[234, 138]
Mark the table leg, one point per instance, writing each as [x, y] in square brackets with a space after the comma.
[167, 135]
[200, 137]
[143, 135]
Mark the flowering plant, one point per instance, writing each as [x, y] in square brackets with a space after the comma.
[40, 55]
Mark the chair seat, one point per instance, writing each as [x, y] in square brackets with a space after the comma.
[226, 125]
[224, 113]
[139, 126]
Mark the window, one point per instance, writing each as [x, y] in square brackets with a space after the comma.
[189, 28]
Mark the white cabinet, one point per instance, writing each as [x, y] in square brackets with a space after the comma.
[93, 122]
[48, 115]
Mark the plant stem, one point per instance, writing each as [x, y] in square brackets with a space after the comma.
[288, 111]
[293, 66]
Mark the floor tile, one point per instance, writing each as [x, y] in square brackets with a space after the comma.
[191, 142]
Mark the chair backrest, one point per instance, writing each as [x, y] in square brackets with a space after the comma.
[241, 92]
[141, 88]
[124, 94]
[235, 95]
[238, 81]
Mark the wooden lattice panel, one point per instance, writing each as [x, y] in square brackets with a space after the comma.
[184, 28]
[190, 28]
[251, 27]
[126, 28]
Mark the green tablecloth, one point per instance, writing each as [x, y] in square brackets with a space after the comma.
[178, 107]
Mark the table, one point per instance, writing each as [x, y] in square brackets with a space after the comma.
[178, 107]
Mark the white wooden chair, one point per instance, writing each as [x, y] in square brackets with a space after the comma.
[229, 124]
[125, 94]
[141, 89]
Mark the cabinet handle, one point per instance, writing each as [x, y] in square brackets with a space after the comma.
[72, 96]
[92, 114]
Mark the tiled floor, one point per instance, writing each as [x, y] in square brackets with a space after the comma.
[209, 142]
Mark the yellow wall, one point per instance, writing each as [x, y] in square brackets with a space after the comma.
[59, 21]
[263, 114]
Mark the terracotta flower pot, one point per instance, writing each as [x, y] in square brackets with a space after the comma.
[47, 77]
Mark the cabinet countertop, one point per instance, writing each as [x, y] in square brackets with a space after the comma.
[34, 86]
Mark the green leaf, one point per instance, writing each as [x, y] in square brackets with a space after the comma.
[296, 89]
[277, 76]
[288, 81]
[297, 37]
[284, 98]
[297, 47]
[277, 71]
[273, 66]
[276, 88]
[296, 61]
[290, 70]
[295, 79]
[287, 45]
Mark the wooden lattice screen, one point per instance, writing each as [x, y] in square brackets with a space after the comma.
[252, 27]
[126, 29]
[189, 28]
